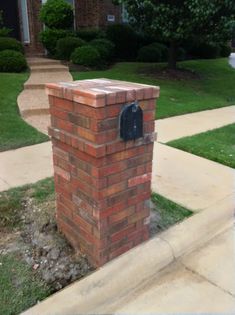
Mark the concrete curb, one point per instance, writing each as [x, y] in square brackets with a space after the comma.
[103, 291]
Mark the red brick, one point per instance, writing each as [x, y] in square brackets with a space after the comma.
[81, 222]
[109, 169]
[138, 216]
[79, 120]
[62, 124]
[111, 210]
[127, 154]
[139, 180]
[149, 104]
[62, 172]
[58, 113]
[114, 110]
[120, 215]
[63, 104]
[149, 115]
[121, 250]
[104, 125]
[115, 147]
[97, 113]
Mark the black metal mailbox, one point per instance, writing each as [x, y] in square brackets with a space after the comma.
[131, 122]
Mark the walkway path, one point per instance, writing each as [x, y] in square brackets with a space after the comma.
[33, 101]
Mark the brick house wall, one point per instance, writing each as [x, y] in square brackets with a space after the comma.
[94, 13]
[88, 13]
[35, 26]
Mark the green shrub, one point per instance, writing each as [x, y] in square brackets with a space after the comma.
[155, 52]
[149, 54]
[125, 41]
[57, 14]
[86, 56]
[49, 38]
[105, 47]
[12, 61]
[4, 31]
[225, 50]
[10, 43]
[65, 46]
[181, 54]
[89, 34]
[205, 50]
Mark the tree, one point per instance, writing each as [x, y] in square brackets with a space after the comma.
[176, 20]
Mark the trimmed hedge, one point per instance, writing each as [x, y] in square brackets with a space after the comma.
[105, 47]
[155, 52]
[86, 56]
[225, 50]
[4, 31]
[12, 61]
[89, 34]
[125, 40]
[57, 14]
[10, 44]
[49, 38]
[205, 50]
[65, 46]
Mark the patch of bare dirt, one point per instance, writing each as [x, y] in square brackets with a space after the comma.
[179, 74]
[42, 247]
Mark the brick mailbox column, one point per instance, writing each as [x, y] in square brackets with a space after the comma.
[102, 183]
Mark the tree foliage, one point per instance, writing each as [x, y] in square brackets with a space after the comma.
[57, 14]
[176, 20]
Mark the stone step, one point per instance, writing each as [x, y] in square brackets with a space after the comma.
[34, 86]
[39, 121]
[48, 68]
[33, 102]
[38, 80]
[42, 61]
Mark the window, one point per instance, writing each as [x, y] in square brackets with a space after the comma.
[25, 21]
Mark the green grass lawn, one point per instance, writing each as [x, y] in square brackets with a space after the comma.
[168, 212]
[217, 145]
[14, 132]
[214, 89]
[19, 287]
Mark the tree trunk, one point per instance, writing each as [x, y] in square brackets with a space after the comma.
[172, 58]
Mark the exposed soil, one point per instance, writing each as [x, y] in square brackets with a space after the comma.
[178, 74]
[42, 247]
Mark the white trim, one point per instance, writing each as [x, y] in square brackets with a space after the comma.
[25, 22]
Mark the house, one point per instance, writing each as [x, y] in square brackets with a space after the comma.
[23, 17]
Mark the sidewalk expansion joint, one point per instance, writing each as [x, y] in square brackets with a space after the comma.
[205, 279]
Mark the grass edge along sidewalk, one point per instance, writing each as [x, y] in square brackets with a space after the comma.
[217, 145]
[14, 131]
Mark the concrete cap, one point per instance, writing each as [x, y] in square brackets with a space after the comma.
[102, 92]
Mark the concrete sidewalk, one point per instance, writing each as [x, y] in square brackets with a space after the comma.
[190, 124]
